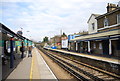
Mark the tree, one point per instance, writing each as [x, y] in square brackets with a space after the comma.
[45, 39]
[64, 35]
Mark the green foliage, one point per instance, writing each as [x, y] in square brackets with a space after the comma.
[45, 39]
[64, 35]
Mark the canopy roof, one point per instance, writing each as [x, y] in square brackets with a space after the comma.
[97, 35]
[6, 30]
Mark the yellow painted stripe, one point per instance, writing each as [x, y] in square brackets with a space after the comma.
[31, 71]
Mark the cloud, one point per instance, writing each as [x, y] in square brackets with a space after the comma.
[16, 0]
[48, 17]
[60, 1]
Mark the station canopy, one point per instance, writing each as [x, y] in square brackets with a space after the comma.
[6, 33]
[98, 36]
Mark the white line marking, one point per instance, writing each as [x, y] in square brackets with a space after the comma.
[47, 66]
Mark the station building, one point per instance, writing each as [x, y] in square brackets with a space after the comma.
[10, 44]
[104, 34]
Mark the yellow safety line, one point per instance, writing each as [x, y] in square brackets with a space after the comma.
[31, 71]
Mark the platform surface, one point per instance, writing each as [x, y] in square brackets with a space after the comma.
[33, 68]
[45, 71]
[105, 59]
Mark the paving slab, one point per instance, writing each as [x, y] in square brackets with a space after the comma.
[32, 68]
[45, 71]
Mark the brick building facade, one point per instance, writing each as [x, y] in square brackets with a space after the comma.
[106, 41]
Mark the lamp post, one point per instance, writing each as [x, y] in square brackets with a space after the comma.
[27, 43]
[28, 33]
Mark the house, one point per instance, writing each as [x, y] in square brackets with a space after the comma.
[109, 24]
[105, 38]
[56, 41]
[92, 23]
[109, 20]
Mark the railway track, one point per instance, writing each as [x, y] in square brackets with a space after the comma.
[81, 71]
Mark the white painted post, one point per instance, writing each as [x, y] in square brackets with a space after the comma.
[76, 46]
[88, 46]
[110, 47]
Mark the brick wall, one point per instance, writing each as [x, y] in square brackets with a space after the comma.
[107, 29]
[112, 19]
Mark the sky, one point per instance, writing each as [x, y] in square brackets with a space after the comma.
[48, 17]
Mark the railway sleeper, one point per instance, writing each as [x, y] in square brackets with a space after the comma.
[96, 77]
[101, 72]
[75, 74]
[85, 73]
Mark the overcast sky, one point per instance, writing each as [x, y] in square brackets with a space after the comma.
[47, 17]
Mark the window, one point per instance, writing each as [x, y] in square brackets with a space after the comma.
[100, 45]
[94, 45]
[105, 22]
[118, 18]
[93, 26]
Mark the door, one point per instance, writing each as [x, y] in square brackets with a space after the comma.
[106, 47]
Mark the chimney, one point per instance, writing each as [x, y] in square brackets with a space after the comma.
[111, 7]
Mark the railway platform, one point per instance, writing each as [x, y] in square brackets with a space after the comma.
[105, 59]
[6, 70]
[32, 68]
[108, 64]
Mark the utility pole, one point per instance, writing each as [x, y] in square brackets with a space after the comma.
[61, 32]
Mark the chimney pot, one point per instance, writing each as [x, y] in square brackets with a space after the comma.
[111, 7]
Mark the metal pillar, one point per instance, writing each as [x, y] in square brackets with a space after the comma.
[110, 47]
[89, 46]
[76, 46]
[22, 50]
[11, 53]
[27, 46]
